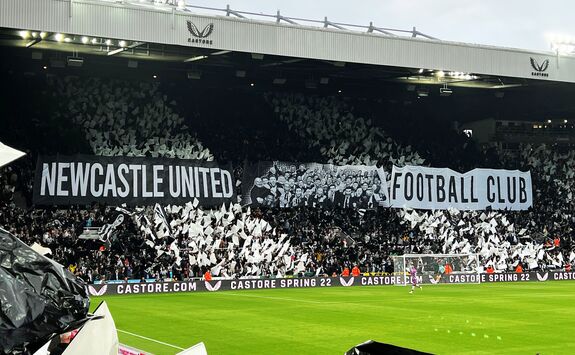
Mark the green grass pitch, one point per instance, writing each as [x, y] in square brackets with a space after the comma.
[506, 318]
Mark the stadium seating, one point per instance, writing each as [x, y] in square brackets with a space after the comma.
[123, 118]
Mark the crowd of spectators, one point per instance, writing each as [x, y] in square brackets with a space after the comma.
[284, 238]
[122, 118]
[342, 138]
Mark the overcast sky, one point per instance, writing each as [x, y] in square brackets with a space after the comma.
[509, 23]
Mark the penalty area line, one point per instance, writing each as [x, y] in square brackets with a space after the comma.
[150, 339]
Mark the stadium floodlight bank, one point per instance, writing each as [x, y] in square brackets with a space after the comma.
[435, 268]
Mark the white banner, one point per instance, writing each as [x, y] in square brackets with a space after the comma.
[440, 188]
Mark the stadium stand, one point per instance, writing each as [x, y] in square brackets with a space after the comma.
[167, 148]
[118, 117]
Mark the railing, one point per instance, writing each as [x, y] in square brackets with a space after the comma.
[180, 5]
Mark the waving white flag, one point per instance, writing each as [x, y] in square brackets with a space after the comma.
[8, 154]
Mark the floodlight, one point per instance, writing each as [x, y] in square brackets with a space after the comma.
[33, 42]
[193, 59]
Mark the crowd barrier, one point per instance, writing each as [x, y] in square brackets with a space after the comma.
[317, 282]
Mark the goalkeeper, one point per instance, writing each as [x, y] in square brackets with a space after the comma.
[439, 271]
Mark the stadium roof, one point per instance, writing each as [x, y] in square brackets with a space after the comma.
[145, 23]
[150, 42]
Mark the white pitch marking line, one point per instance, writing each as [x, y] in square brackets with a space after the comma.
[275, 298]
[150, 339]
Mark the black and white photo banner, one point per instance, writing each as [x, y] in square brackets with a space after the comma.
[281, 184]
[439, 188]
[82, 179]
